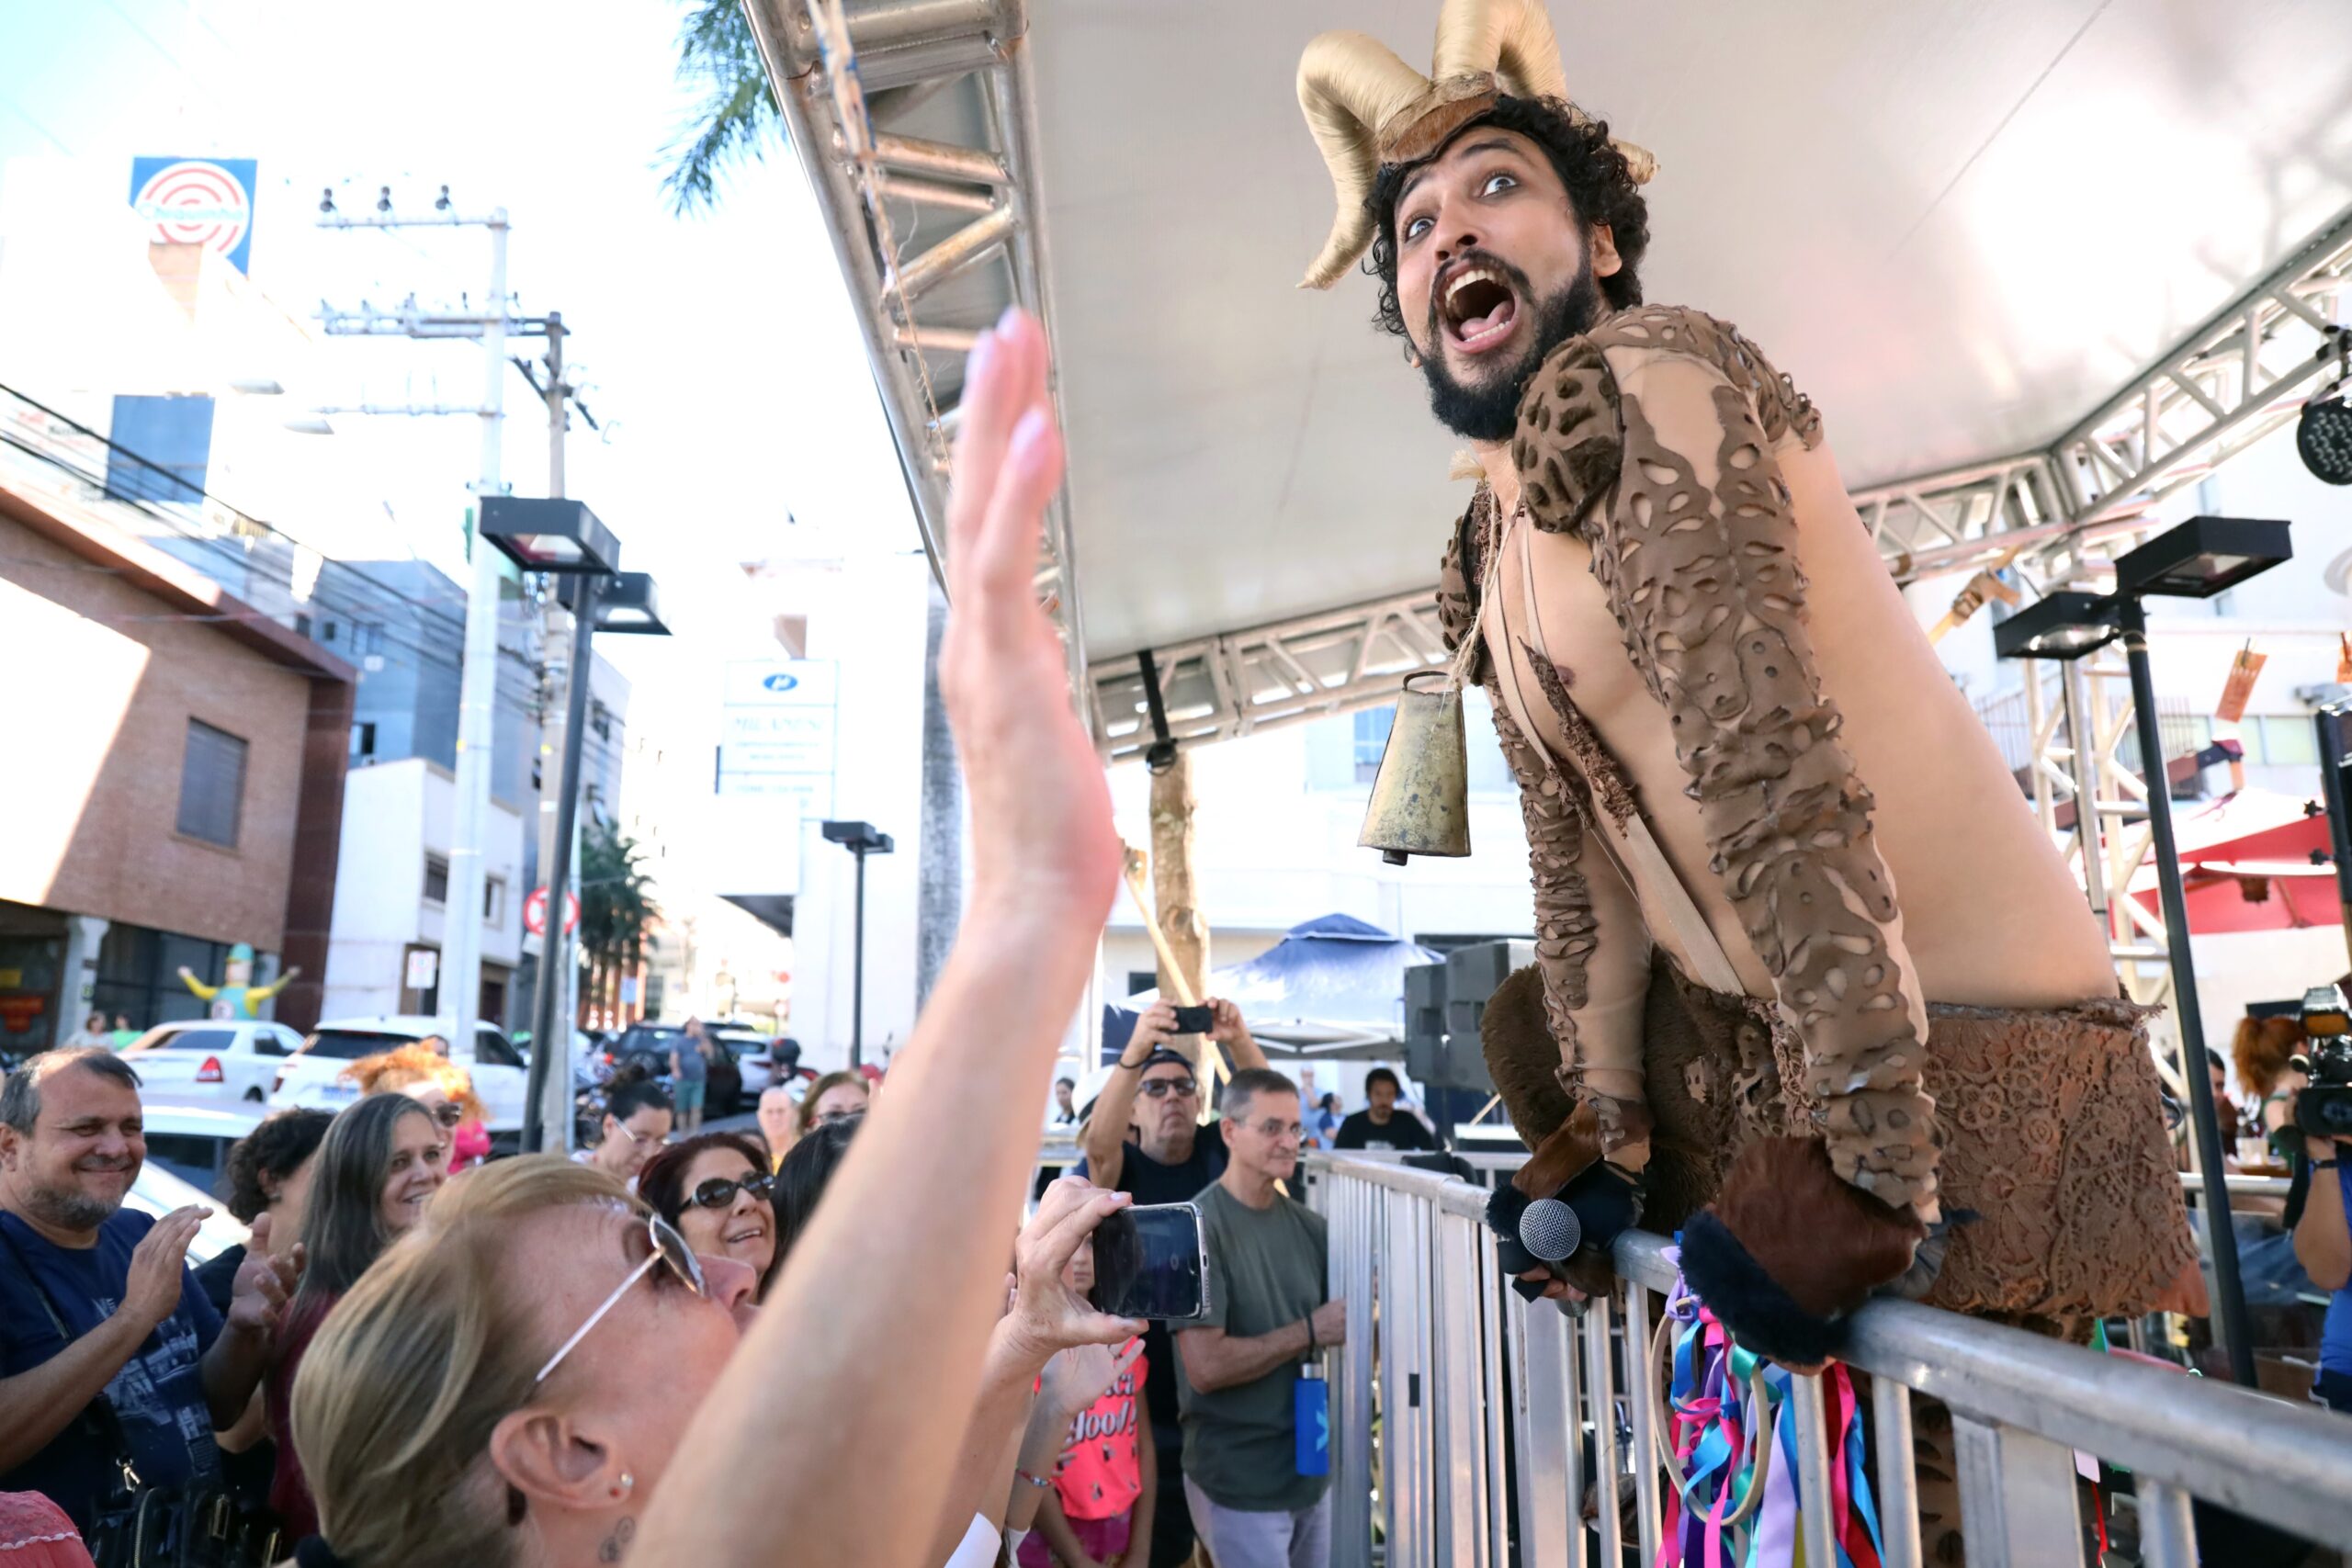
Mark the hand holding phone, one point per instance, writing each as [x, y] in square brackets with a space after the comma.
[1151, 1262]
[1198, 1019]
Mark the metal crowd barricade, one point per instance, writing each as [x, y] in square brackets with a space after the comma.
[1468, 1425]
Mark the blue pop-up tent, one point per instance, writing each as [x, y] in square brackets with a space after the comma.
[1332, 986]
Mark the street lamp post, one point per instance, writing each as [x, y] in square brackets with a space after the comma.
[861, 838]
[568, 541]
[2194, 560]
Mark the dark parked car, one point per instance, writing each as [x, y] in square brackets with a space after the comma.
[644, 1049]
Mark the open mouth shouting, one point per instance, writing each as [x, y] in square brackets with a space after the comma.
[1477, 305]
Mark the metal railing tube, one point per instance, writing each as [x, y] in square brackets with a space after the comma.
[1814, 1461]
[1641, 1418]
[1600, 1410]
[1898, 1481]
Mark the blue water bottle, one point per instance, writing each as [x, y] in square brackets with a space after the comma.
[1311, 1419]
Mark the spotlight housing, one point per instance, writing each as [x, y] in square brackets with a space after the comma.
[2202, 557]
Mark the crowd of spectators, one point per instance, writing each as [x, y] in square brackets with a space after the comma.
[835, 1342]
[810, 1351]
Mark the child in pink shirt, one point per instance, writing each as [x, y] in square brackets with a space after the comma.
[1098, 1513]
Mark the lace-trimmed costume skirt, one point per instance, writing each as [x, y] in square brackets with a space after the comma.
[2053, 1121]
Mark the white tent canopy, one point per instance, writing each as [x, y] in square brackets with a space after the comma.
[1962, 226]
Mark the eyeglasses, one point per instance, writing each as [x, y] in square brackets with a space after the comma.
[448, 1113]
[669, 1248]
[719, 1192]
[1160, 1089]
[828, 1118]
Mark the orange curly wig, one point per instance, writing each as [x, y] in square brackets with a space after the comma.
[396, 1071]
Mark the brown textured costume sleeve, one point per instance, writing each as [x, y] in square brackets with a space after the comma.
[1567, 920]
[1654, 435]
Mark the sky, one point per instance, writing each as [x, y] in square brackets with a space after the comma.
[719, 351]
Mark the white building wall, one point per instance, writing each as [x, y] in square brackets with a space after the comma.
[1275, 845]
[378, 887]
[393, 814]
[869, 620]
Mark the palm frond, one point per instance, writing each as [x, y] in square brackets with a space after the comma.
[718, 56]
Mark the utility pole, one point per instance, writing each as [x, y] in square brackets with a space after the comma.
[459, 982]
[559, 712]
[478, 687]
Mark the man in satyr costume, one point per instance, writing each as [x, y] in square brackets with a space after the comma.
[1813, 982]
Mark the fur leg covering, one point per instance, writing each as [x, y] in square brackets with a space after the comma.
[1787, 1250]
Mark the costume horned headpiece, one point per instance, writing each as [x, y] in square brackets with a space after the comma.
[1368, 108]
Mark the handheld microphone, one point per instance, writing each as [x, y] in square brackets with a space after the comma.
[1550, 1229]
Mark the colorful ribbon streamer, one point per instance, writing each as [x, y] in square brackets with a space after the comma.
[1730, 1430]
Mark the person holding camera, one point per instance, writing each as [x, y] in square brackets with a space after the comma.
[1159, 1090]
[2323, 1247]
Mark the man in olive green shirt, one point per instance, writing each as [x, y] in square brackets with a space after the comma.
[1269, 1258]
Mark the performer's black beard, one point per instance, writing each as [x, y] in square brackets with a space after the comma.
[1489, 411]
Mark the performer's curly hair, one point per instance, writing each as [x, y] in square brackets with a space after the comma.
[1601, 188]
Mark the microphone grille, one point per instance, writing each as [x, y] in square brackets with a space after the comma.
[1550, 1229]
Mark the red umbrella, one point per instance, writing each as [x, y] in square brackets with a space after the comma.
[2246, 865]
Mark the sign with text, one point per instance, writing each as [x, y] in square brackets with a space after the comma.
[778, 719]
[198, 201]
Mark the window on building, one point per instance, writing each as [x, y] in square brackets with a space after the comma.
[327, 631]
[493, 899]
[1372, 725]
[436, 879]
[600, 719]
[2288, 740]
[366, 638]
[161, 446]
[363, 742]
[212, 785]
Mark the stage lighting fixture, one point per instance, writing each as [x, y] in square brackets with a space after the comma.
[2202, 557]
[2065, 624]
[2323, 437]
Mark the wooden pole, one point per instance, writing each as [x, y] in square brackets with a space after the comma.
[1184, 963]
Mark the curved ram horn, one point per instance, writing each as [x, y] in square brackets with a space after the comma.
[1512, 37]
[1349, 85]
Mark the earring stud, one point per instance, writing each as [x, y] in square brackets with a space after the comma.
[627, 1485]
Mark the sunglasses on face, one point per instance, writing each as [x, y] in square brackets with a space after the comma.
[828, 1118]
[448, 1113]
[1160, 1089]
[669, 1250]
[719, 1192]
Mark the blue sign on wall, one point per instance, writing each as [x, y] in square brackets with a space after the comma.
[198, 201]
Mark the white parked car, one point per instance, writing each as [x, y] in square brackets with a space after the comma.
[187, 1153]
[225, 1059]
[311, 1075]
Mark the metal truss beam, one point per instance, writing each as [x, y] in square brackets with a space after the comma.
[1221, 688]
[2060, 510]
[2079, 715]
[841, 70]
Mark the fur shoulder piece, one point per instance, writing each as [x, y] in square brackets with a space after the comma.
[1571, 435]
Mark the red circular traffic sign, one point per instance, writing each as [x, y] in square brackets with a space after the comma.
[534, 912]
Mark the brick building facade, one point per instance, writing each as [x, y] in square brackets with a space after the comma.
[176, 785]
